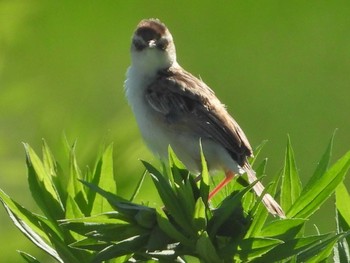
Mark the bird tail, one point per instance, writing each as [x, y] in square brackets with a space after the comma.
[270, 203]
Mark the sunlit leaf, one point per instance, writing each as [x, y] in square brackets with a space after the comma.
[42, 187]
[143, 215]
[310, 201]
[75, 188]
[122, 248]
[105, 181]
[257, 152]
[322, 250]
[342, 248]
[342, 198]
[292, 247]
[29, 224]
[28, 258]
[286, 229]
[171, 202]
[199, 217]
[204, 182]
[256, 247]
[291, 185]
[322, 165]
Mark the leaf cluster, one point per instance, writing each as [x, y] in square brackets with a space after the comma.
[85, 220]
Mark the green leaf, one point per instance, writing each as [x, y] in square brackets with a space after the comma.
[286, 229]
[342, 198]
[73, 209]
[199, 217]
[230, 206]
[105, 181]
[309, 201]
[342, 248]
[259, 213]
[90, 244]
[181, 184]
[122, 248]
[170, 200]
[106, 231]
[29, 224]
[257, 152]
[75, 188]
[48, 160]
[28, 258]
[204, 182]
[290, 248]
[171, 230]
[322, 250]
[41, 186]
[143, 215]
[291, 185]
[138, 187]
[322, 165]
[54, 170]
[206, 250]
[251, 248]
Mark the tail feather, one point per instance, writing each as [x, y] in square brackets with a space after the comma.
[270, 203]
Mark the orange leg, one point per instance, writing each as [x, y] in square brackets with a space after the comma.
[228, 177]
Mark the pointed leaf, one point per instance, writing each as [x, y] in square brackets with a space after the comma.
[206, 250]
[143, 215]
[170, 200]
[199, 217]
[204, 182]
[292, 247]
[291, 185]
[308, 202]
[138, 186]
[105, 181]
[260, 213]
[286, 229]
[180, 182]
[322, 165]
[55, 171]
[28, 258]
[29, 224]
[252, 248]
[75, 188]
[322, 250]
[257, 151]
[342, 198]
[171, 230]
[72, 209]
[342, 248]
[42, 187]
[231, 204]
[124, 247]
[91, 244]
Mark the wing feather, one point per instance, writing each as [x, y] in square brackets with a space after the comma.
[185, 101]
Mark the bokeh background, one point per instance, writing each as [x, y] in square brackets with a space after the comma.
[282, 67]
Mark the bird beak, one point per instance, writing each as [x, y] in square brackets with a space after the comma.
[152, 43]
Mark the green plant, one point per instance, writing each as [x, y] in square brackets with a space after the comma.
[84, 220]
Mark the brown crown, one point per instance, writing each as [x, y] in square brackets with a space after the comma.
[150, 29]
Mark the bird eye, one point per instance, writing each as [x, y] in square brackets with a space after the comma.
[162, 43]
[139, 44]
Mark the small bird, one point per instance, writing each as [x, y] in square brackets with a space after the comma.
[172, 107]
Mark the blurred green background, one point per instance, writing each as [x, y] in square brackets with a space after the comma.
[282, 67]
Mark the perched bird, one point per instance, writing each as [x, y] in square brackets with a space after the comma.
[172, 107]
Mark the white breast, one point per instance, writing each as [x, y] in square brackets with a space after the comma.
[152, 133]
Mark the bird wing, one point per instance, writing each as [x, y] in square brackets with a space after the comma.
[188, 104]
